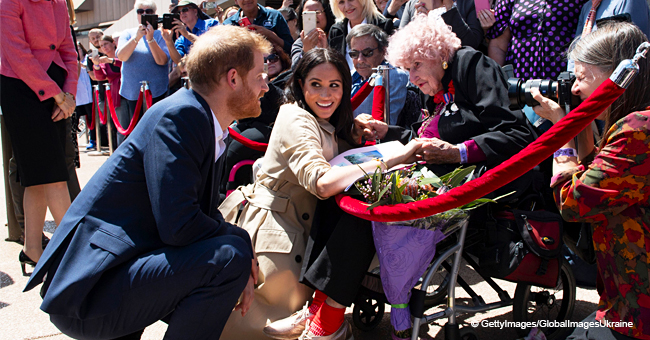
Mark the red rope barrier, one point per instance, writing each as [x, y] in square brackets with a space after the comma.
[91, 123]
[558, 135]
[361, 95]
[102, 116]
[148, 97]
[378, 101]
[247, 142]
[134, 120]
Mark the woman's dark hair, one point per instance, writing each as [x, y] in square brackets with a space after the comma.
[342, 118]
[605, 48]
[328, 14]
[288, 13]
[83, 49]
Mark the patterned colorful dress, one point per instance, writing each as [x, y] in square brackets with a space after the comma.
[612, 194]
[542, 30]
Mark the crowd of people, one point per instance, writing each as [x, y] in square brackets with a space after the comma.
[157, 233]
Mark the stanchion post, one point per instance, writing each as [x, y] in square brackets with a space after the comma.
[109, 125]
[186, 82]
[98, 125]
[144, 86]
[383, 71]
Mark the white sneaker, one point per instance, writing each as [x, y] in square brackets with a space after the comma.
[343, 333]
[290, 327]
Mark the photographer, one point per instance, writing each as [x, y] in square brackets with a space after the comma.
[144, 56]
[192, 24]
[607, 185]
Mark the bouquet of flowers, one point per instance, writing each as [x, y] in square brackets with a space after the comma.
[406, 248]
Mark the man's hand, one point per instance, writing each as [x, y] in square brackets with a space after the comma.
[263, 31]
[369, 128]
[395, 6]
[436, 151]
[248, 294]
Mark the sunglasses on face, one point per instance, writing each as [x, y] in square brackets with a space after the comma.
[184, 9]
[271, 58]
[368, 52]
[143, 11]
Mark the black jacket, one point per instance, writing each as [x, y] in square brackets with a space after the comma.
[339, 31]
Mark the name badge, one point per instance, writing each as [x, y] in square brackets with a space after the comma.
[268, 24]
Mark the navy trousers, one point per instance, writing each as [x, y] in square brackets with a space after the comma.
[194, 288]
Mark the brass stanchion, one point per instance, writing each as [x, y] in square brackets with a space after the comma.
[109, 125]
[98, 126]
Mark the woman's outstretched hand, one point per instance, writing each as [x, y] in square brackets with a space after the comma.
[407, 155]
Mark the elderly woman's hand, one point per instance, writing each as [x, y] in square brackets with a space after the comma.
[141, 32]
[547, 108]
[437, 151]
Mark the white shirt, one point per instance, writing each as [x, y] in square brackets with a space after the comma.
[219, 136]
[347, 48]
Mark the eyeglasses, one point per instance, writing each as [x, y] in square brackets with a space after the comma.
[317, 12]
[368, 52]
[271, 58]
[143, 11]
[185, 9]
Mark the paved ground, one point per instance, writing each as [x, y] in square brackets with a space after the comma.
[21, 318]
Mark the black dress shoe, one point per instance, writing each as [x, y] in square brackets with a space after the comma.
[24, 259]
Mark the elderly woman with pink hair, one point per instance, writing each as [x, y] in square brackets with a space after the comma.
[469, 120]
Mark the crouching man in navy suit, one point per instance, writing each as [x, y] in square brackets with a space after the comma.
[144, 240]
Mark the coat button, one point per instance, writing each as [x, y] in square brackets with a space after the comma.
[41, 92]
[52, 47]
[298, 258]
[305, 216]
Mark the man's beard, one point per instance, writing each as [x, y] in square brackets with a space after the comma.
[244, 103]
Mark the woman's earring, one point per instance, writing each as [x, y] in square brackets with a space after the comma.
[444, 65]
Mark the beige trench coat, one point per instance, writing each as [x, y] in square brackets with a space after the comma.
[279, 214]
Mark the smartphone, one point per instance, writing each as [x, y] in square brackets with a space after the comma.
[309, 21]
[244, 22]
[150, 18]
[481, 5]
[210, 5]
[94, 52]
[427, 3]
[168, 20]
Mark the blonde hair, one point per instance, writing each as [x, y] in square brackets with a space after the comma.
[369, 10]
[145, 3]
[221, 49]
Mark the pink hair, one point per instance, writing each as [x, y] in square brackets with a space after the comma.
[424, 38]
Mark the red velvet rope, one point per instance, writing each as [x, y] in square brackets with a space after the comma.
[102, 116]
[134, 120]
[361, 95]
[148, 97]
[558, 135]
[247, 142]
[378, 101]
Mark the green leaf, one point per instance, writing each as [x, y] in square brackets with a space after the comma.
[376, 204]
[459, 176]
[381, 193]
[430, 180]
[407, 198]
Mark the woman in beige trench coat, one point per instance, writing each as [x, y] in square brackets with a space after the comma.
[308, 132]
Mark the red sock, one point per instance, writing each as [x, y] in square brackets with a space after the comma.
[327, 321]
[319, 298]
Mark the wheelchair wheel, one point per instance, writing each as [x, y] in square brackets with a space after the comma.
[437, 289]
[532, 303]
[367, 313]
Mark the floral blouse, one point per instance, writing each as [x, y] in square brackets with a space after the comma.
[612, 194]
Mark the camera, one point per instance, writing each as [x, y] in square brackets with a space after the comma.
[558, 90]
[167, 20]
[210, 5]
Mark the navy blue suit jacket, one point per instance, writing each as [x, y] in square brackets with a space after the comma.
[155, 191]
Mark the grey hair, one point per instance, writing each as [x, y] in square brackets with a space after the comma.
[605, 48]
[145, 3]
[368, 29]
